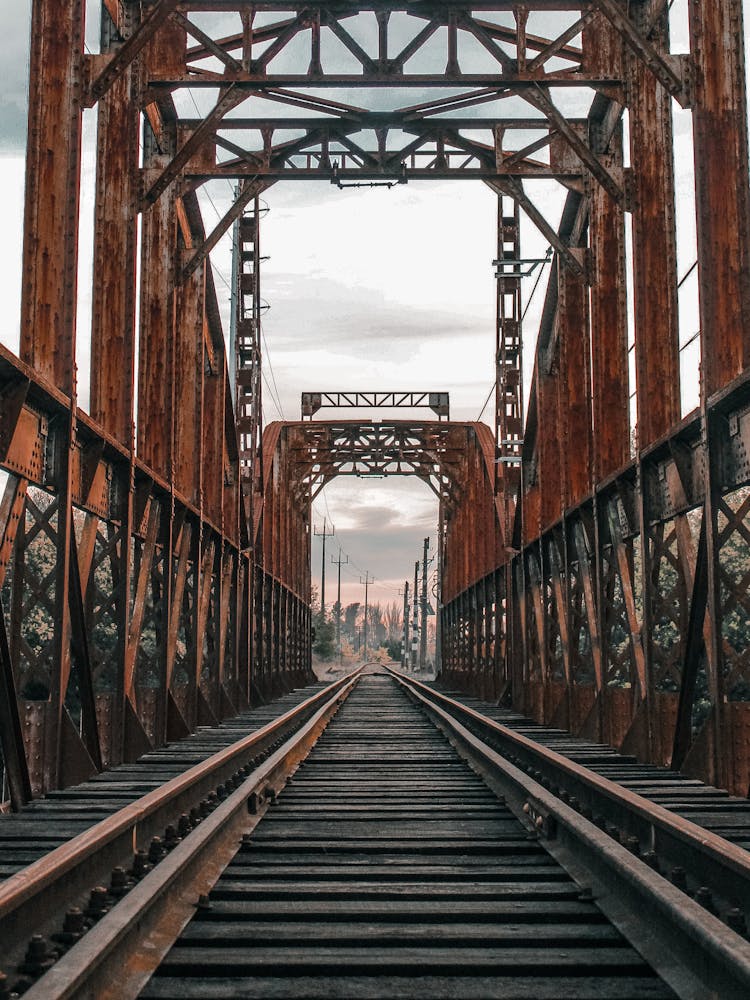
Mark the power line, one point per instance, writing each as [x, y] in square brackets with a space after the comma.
[533, 290]
[523, 317]
[270, 394]
[270, 368]
[489, 396]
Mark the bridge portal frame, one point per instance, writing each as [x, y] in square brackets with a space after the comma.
[147, 542]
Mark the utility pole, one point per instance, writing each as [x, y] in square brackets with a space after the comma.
[405, 625]
[415, 620]
[324, 534]
[423, 634]
[339, 562]
[367, 581]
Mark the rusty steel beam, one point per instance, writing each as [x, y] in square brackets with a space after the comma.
[439, 402]
[11, 731]
[574, 399]
[665, 69]
[50, 249]
[723, 209]
[113, 337]
[589, 546]
[609, 333]
[113, 68]
[654, 254]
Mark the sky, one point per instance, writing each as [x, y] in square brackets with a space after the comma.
[366, 289]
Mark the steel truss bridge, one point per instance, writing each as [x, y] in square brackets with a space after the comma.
[594, 553]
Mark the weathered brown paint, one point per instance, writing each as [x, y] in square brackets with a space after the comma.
[113, 333]
[50, 251]
[654, 255]
[609, 334]
[549, 446]
[188, 376]
[574, 400]
[156, 347]
[722, 189]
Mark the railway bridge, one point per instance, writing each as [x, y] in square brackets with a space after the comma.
[185, 809]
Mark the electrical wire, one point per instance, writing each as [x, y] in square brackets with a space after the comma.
[352, 568]
[267, 356]
[270, 394]
[523, 317]
[274, 393]
[489, 396]
[536, 285]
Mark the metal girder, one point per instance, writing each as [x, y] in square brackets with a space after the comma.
[377, 147]
[598, 598]
[104, 76]
[669, 71]
[437, 401]
[384, 58]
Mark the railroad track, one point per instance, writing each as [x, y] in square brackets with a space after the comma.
[713, 809]
[47, 823]
[385, 849]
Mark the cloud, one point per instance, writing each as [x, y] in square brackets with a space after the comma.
[380, 525]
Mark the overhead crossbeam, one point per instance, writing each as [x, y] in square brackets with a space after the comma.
[322, 451]
[438, 402]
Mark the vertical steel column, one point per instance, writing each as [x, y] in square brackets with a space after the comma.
[549, 471]
[508, 361]
[213, 440]
[113, 334]
[156, 346]
[609, 327]
[48, 306]
[722, 188]
[723, 215]
[189, 376]
[654, 246]
[114, 287]
[53, 157]
[247, 353]
[574, 397]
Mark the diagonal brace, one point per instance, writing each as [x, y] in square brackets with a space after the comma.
[645, 50]
[228, 100]
[125, 55]
[514, 189]
[540, 98]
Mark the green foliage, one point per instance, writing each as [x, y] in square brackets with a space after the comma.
[325, 638]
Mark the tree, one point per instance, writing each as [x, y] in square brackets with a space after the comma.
[351, 613]
[325, 639]
[393, 618]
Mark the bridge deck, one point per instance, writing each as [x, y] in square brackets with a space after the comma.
[44, 824]
[713, 808]
[387, 868]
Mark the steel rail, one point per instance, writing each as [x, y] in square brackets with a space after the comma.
[654, 913]
[109, 961]
[712, 860]
[33, 900]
